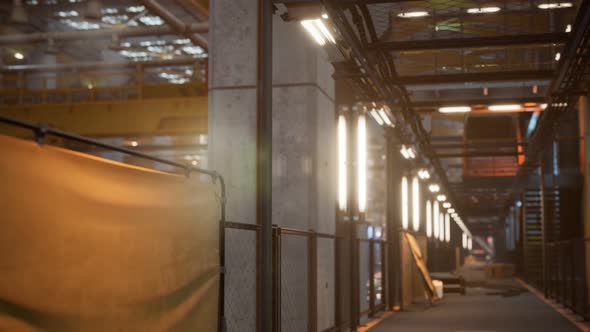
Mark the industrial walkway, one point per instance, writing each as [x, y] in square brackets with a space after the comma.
[481, 310]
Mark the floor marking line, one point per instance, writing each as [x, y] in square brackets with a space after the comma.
[369, 325]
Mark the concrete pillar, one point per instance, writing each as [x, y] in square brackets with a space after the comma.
[304, 158]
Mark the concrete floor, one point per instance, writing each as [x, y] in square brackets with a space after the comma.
[479, 311]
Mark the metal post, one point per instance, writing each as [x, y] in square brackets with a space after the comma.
[371, 277]
[312, 282]
[354, 217]
[276, 289]
[264, 160]
[393, 263]
[543, 224]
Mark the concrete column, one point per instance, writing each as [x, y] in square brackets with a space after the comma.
[304, 158]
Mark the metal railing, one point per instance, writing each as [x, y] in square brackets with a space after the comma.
[564, 279]
[297, 254]
[61, 87]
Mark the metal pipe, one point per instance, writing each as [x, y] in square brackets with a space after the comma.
[41, 37]
[195, 8]
[264, 161]
[97, 65]
[175, 22]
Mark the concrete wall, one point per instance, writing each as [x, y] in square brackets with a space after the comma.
[304, 157]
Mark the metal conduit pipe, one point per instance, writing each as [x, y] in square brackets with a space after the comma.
[97, 65]
[40, 37]
[178, 25]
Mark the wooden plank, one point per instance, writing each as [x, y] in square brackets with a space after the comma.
[418, 259]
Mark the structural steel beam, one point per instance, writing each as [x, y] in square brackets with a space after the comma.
[41, 37]
[477, 154]
[98, 65]
[177, 24]
[165, 116]
[479, 42]
[356, 2]
[522, 75]
[480, 101]
[196, 8]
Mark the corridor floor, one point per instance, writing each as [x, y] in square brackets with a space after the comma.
[480, 311]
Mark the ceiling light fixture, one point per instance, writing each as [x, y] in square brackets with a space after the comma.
[384, 116]
[318, 30]
[423, 174]
[454, 109]
[555, 5]
[413, 14]
[483, 10]
[19, 55]
[441, 198]
[451, 210]
[446, 205]
[376, 116]
[504, 108]
[434, 188]
[557, 56]
[408, 153]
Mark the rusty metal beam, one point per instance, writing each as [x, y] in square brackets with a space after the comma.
[522, 75]
[42, 37]
[480, 42]
[161, 116]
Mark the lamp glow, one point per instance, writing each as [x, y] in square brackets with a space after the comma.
[446, 205]
[441, 225]
[404, 152]
[447, 228]
[311, 28]
[342, 176]
[428, 219]
[483, 10]
[416, 204]
[362, 162]
[555, 5]
[376, 116]
[435, 225]
[405, 216]
[325, 32]
[441, 198]
[505, 108]
[413, 14]
[385, 117]
[434, 188]
[423, 174]
[19, 56]
[454, 109]
[451, 210]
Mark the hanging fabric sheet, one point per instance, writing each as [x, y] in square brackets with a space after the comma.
[88, 244]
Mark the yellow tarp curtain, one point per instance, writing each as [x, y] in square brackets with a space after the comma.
[88, 244]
